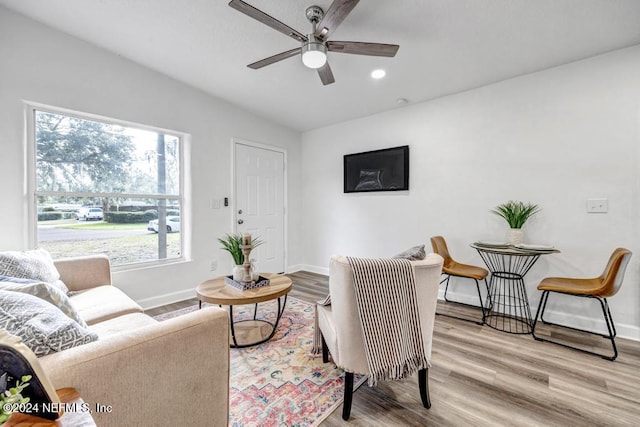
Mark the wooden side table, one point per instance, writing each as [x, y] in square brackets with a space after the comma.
[70, 398]
[246, 333]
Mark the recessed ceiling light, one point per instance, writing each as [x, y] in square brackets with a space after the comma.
[378, 74]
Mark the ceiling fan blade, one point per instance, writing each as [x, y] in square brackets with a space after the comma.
[275, 58]
[334, 16]
[364, 48]
[259, 15]
[326, 75]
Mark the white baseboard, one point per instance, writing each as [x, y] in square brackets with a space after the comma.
[309, 268]
[631, 332]
[295, 268]
[157, 301]
[627, 331]
[458, 297]
[598, 325]
[160, 300]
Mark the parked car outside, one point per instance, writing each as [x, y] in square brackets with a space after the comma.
[89, 213]
[173, 224]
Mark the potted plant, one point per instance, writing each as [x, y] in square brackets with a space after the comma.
[12, 398]
[231, 243]
[516, 214]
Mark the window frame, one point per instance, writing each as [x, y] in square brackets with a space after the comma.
[32, 192]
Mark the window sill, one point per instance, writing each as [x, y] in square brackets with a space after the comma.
[148, 264]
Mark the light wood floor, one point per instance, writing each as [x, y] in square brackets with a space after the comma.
[483, 377]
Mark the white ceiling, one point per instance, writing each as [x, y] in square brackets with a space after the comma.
[446, 46]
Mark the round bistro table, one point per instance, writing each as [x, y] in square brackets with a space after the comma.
[246, 333]
[508, 303]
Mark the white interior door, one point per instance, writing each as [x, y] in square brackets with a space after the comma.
[259, 203]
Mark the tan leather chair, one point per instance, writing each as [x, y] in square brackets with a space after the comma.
[341, 325]
[600, 288]
[456, 269]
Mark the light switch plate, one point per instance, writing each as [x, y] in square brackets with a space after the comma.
[597, 205]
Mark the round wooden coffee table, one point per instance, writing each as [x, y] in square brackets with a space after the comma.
[246, 333]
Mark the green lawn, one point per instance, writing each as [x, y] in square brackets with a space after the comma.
[121, 250]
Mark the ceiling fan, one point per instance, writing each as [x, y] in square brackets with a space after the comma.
[314, 46]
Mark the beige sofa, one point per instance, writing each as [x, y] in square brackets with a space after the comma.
[150, 373]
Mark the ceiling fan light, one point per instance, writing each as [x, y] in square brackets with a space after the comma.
[314, 55]
[378, 74]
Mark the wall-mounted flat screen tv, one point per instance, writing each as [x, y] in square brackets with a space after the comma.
[379, 170]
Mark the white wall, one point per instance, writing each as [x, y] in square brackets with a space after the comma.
[554, 138]
[46, 66]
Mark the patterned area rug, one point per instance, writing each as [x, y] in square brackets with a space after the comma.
[279, 383]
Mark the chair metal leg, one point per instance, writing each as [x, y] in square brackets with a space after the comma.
[481, 322]
[606, 303]
[607, 318]
[446, 288]
[610, 326]
[348, 395]
[480, 299]
[542, 305]
[423, 381]
[489, 306]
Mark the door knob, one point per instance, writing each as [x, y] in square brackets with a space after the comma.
[240, 212]
[240, 221]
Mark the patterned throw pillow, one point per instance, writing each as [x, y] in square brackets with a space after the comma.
[42, 326]
[415, 253]
[44, 291]
[35, 264]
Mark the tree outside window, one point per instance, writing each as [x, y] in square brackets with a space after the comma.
[103, 187]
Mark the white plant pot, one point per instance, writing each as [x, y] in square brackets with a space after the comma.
[515, 236]
[238, 273]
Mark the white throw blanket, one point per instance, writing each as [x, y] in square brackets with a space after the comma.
[385, 292]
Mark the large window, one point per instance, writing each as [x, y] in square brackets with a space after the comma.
[103, 187]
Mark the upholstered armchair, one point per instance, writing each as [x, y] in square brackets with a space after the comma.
[341, 325]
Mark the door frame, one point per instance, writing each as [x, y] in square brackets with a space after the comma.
[233, 204]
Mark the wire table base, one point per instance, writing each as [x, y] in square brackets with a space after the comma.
[508, 308]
